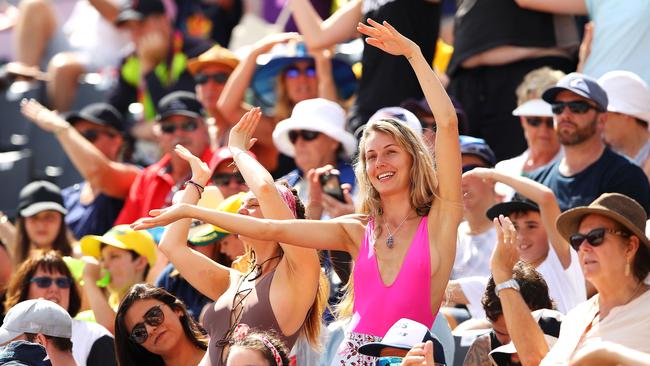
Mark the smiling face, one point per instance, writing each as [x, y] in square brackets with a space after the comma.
[43, 228]
[162, 339]
[532, 241]
[54, 293]
[300, 81]
[388, 165]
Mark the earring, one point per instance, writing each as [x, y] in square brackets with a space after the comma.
[628, 269]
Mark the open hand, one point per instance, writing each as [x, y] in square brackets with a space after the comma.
[241, 135]
[200, 171]
[265, 44]
[420, 354]
[163, 217]
[44, 118]
[505, 255]
[387, 39]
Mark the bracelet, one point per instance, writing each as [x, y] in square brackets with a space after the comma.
[199, 187]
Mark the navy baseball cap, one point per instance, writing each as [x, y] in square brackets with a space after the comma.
[582, 85]
[179, 103]
[518, 203]
[139, 9]
[475, 146]
[102, 114]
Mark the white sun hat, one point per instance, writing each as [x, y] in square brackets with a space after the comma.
[320, 115]
[533, 108]
[627, 93]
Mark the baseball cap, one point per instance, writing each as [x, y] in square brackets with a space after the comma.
[102, 114]
[122, 237]
[404, 334]
[518, 203]
[22, 353]
[627, 93]
[223, 154]
[400, 114]
[230, 205]
[179, 103]
[36, 316]
[139, 9]
[475, 146]
[39, 196]
[580, 84]
[215, 55]
[533, 108]
[200, 233]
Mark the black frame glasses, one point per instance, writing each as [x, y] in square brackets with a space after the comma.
[92, 134]
[189, 125]
[576, 107]
[595, 237]
[217, 77]
[46, 282]
[293, 72]
[306, 135]
[538, 121]
[223, 179]
[153, 317]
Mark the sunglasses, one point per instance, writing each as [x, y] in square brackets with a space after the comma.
[538, 121]
[595, 237]
[293, 72]
[222, 179]
[153, 317]
[189, 125]
[389, 361]
[92, 134]
[577, 107]
[46, 282]
[304, 134]
[219, 78]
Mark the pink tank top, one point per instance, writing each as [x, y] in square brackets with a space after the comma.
[377, 306]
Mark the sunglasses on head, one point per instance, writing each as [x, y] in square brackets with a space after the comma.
[576, 106]
[304, 134]
[187, 126]
[389, 361]
[46, 282]
[595, 237]
[222, 179]
[153, 317]
[538, 121]
[293, 72]
[218, 77]
[92, 134]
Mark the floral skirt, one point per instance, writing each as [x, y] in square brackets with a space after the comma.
[348, 351]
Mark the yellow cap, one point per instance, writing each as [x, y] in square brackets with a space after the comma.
[205, 234]
[215, 55]
[230, 205]
[122, 237]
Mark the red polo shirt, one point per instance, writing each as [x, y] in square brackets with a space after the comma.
[151, 189]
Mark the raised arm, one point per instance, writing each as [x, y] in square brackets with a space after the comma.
[337, 28]
[545, 199]
[110, 177]
[570, 7]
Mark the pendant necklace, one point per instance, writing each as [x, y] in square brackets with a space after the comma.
[389, 238]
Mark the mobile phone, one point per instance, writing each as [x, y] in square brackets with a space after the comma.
[331, 185]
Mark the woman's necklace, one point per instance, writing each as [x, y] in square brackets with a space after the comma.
[389, 239]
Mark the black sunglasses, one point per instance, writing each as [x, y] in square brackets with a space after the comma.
[576, 106]
[46, 282]
[304, 134]
[92, 134]
[187, 126]
[595, 237]
[294, 72]
[222, 179]
[538, 121]
[153, 317]
[218, 77]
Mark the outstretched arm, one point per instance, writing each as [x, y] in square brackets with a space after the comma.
[204, 274]
[337, 28]
[545, 199]
[110, 177]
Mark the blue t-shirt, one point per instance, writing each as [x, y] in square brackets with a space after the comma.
[610, 173]
[93, 219]
[176, 285]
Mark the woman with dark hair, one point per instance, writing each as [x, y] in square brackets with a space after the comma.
[257, 348]
[46, 275]
[153, 327]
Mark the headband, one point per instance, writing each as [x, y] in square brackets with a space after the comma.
[241, 332]
[287, 197]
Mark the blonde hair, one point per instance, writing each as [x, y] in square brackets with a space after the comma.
[536, 82]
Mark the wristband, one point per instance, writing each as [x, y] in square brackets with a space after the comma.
[198, 187]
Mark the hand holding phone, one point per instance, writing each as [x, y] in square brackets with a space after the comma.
[331, 185]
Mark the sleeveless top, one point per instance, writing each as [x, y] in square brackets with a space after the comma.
[378, 306]
[256, 313]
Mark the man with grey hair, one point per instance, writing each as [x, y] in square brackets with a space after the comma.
[44, 322]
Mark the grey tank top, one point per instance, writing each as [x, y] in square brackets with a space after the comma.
[256, 313]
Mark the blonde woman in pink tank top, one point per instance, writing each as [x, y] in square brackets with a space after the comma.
[403, 239]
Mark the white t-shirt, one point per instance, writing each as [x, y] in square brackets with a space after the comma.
[565, 286]
[84, 335]
[473, 252]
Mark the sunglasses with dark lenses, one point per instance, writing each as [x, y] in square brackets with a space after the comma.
[304, 134]
[294, 72]
[538, 121]
[46, 282]
[153, 317]
[187, 126]
[577, 107]
[222, 179]
[389, 361]
[595, 237]
[218, 77]
[92, 134]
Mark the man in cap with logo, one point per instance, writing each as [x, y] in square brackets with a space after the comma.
[43, 322]
[588, 167]
[128, 256]
[93, 140]
[180, 121]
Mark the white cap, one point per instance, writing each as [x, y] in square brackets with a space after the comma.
[533, 108]
[399, 114]
[627, 93]
[36, 316]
